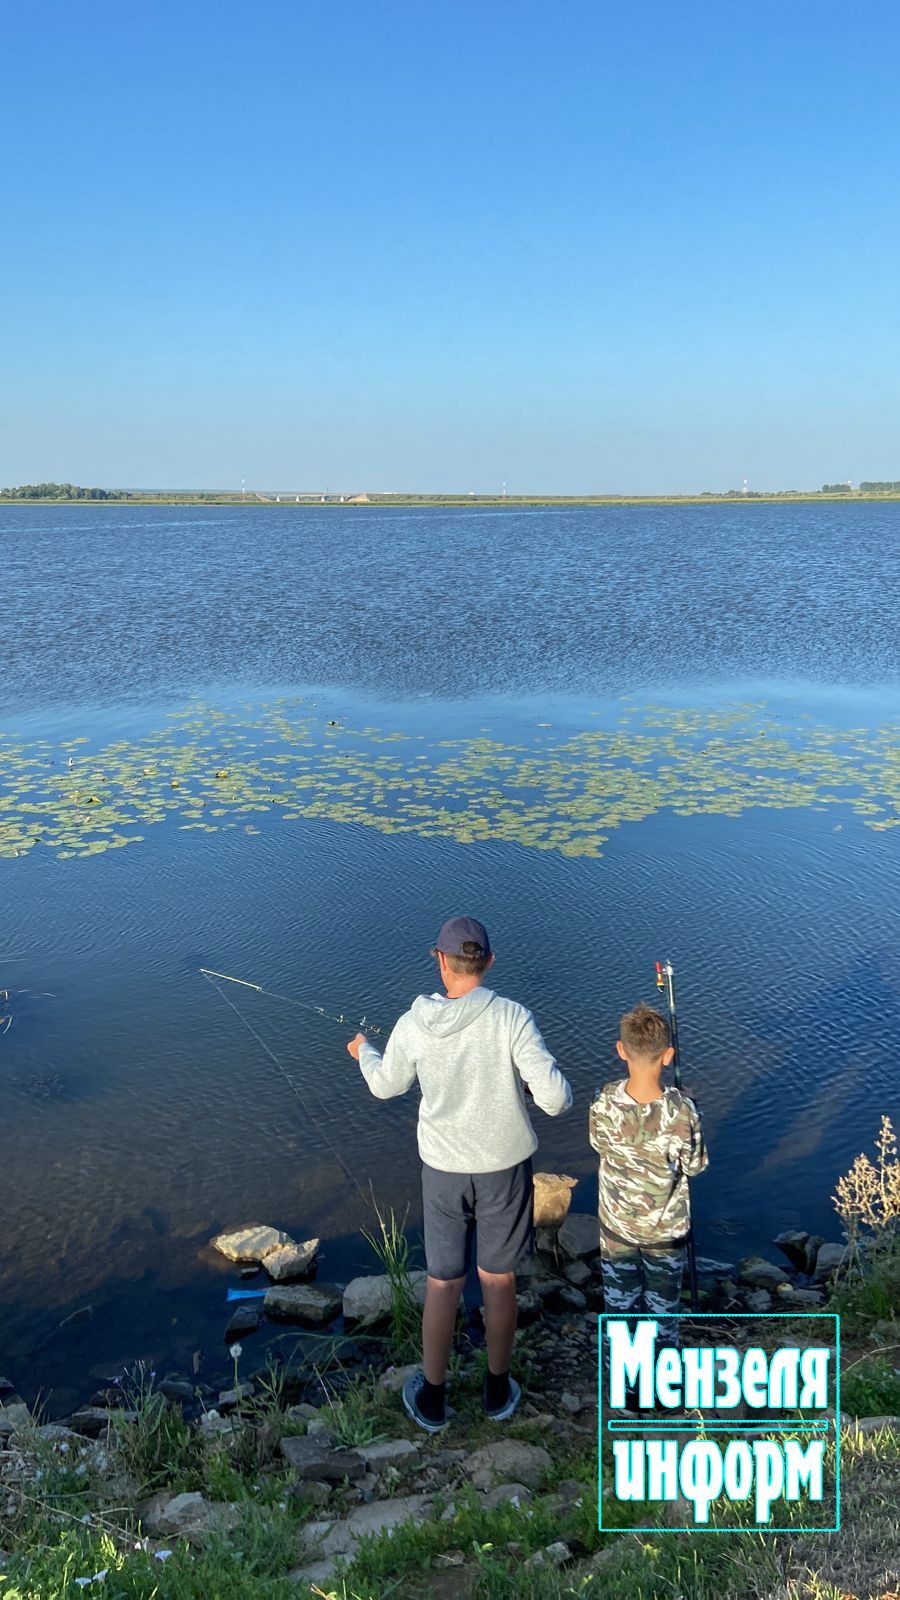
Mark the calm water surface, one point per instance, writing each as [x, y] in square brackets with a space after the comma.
[166, 1120]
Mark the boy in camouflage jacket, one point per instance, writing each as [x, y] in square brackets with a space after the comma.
[650, 1142]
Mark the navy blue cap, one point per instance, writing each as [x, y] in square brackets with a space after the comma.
[458, 931]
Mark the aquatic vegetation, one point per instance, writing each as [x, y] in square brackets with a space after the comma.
[211, 768]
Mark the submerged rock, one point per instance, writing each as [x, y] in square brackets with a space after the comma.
[245, 1319]
[303, 1302]
[249, 1243]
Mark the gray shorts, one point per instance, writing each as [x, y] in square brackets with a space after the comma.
[496, 1208]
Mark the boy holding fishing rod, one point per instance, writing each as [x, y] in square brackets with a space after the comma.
[650, 1142]
[473, 1053]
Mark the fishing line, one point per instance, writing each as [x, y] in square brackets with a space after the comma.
[289, 1000]
[211, 979]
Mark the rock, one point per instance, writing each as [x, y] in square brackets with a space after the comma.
[313, 1458]
[57, 1433]
[304, 1412]
[395, 1377]
[708, 1268]
[94, 1420]
[212, 1426]
[579, 1236]
[555, 1555]
[507, 1494]
[508, 1461]
[178, 1390]
[369, 1299]
[813, 1245]
[793, 1242]
[528, 1308]
[565, 1297]
[791, 1299]
[12, 1418]
[579, 1273]
[289, 1261]
[5, 1387]
[317, 1428]
[229, 1399]
[552, 1198]
[829, 1260]
[387, 1450]
[867, 1425]
[570, 1402]
[758, 1300]
[761, 1274]
[249, 1243]
[306, 1302]
[315, 1493]
[326, 1541]
[245, 1319]
[187, 1516]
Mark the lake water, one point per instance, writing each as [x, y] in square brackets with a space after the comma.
[285, 743]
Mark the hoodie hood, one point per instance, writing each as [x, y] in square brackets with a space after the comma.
[438, 1016]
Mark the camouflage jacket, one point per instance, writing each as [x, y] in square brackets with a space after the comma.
[647, 1153]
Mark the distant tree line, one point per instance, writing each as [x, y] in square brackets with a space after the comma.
[59, 491]
[879, 488]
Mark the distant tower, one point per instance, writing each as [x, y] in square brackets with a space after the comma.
[745, 489]
[503, 496]
[243, 489]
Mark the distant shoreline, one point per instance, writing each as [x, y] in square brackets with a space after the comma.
[356, 503]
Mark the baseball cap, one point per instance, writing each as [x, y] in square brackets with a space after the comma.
[458, 931]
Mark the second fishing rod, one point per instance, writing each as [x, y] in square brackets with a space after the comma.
[665, 982]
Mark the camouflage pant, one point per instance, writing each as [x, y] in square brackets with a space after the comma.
[644, 1279]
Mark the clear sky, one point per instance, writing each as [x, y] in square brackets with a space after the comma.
[440, 244]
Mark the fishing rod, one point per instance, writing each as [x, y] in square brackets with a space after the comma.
[665, 982]
[346, 1022]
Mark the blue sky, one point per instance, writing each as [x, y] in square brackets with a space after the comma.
[440, 245]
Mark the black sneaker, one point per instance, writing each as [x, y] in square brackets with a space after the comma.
[509, 1405]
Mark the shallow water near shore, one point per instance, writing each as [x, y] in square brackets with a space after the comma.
[295, 747]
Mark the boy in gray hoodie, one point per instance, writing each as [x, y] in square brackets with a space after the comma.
[472, 1052]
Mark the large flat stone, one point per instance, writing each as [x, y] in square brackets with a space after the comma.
[250, 1242]
[508, 1461]
[369, 1299]
[387, 1451]
[303, 1302]
[316, 1459]
[331, 1539]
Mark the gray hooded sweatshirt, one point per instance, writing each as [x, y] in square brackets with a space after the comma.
[471, 1057]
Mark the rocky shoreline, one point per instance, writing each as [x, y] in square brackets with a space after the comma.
[324, 1448]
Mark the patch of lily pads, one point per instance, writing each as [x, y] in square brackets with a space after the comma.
[211, 768]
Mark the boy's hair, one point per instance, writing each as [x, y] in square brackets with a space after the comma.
[644, 1032]
[472, 963]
